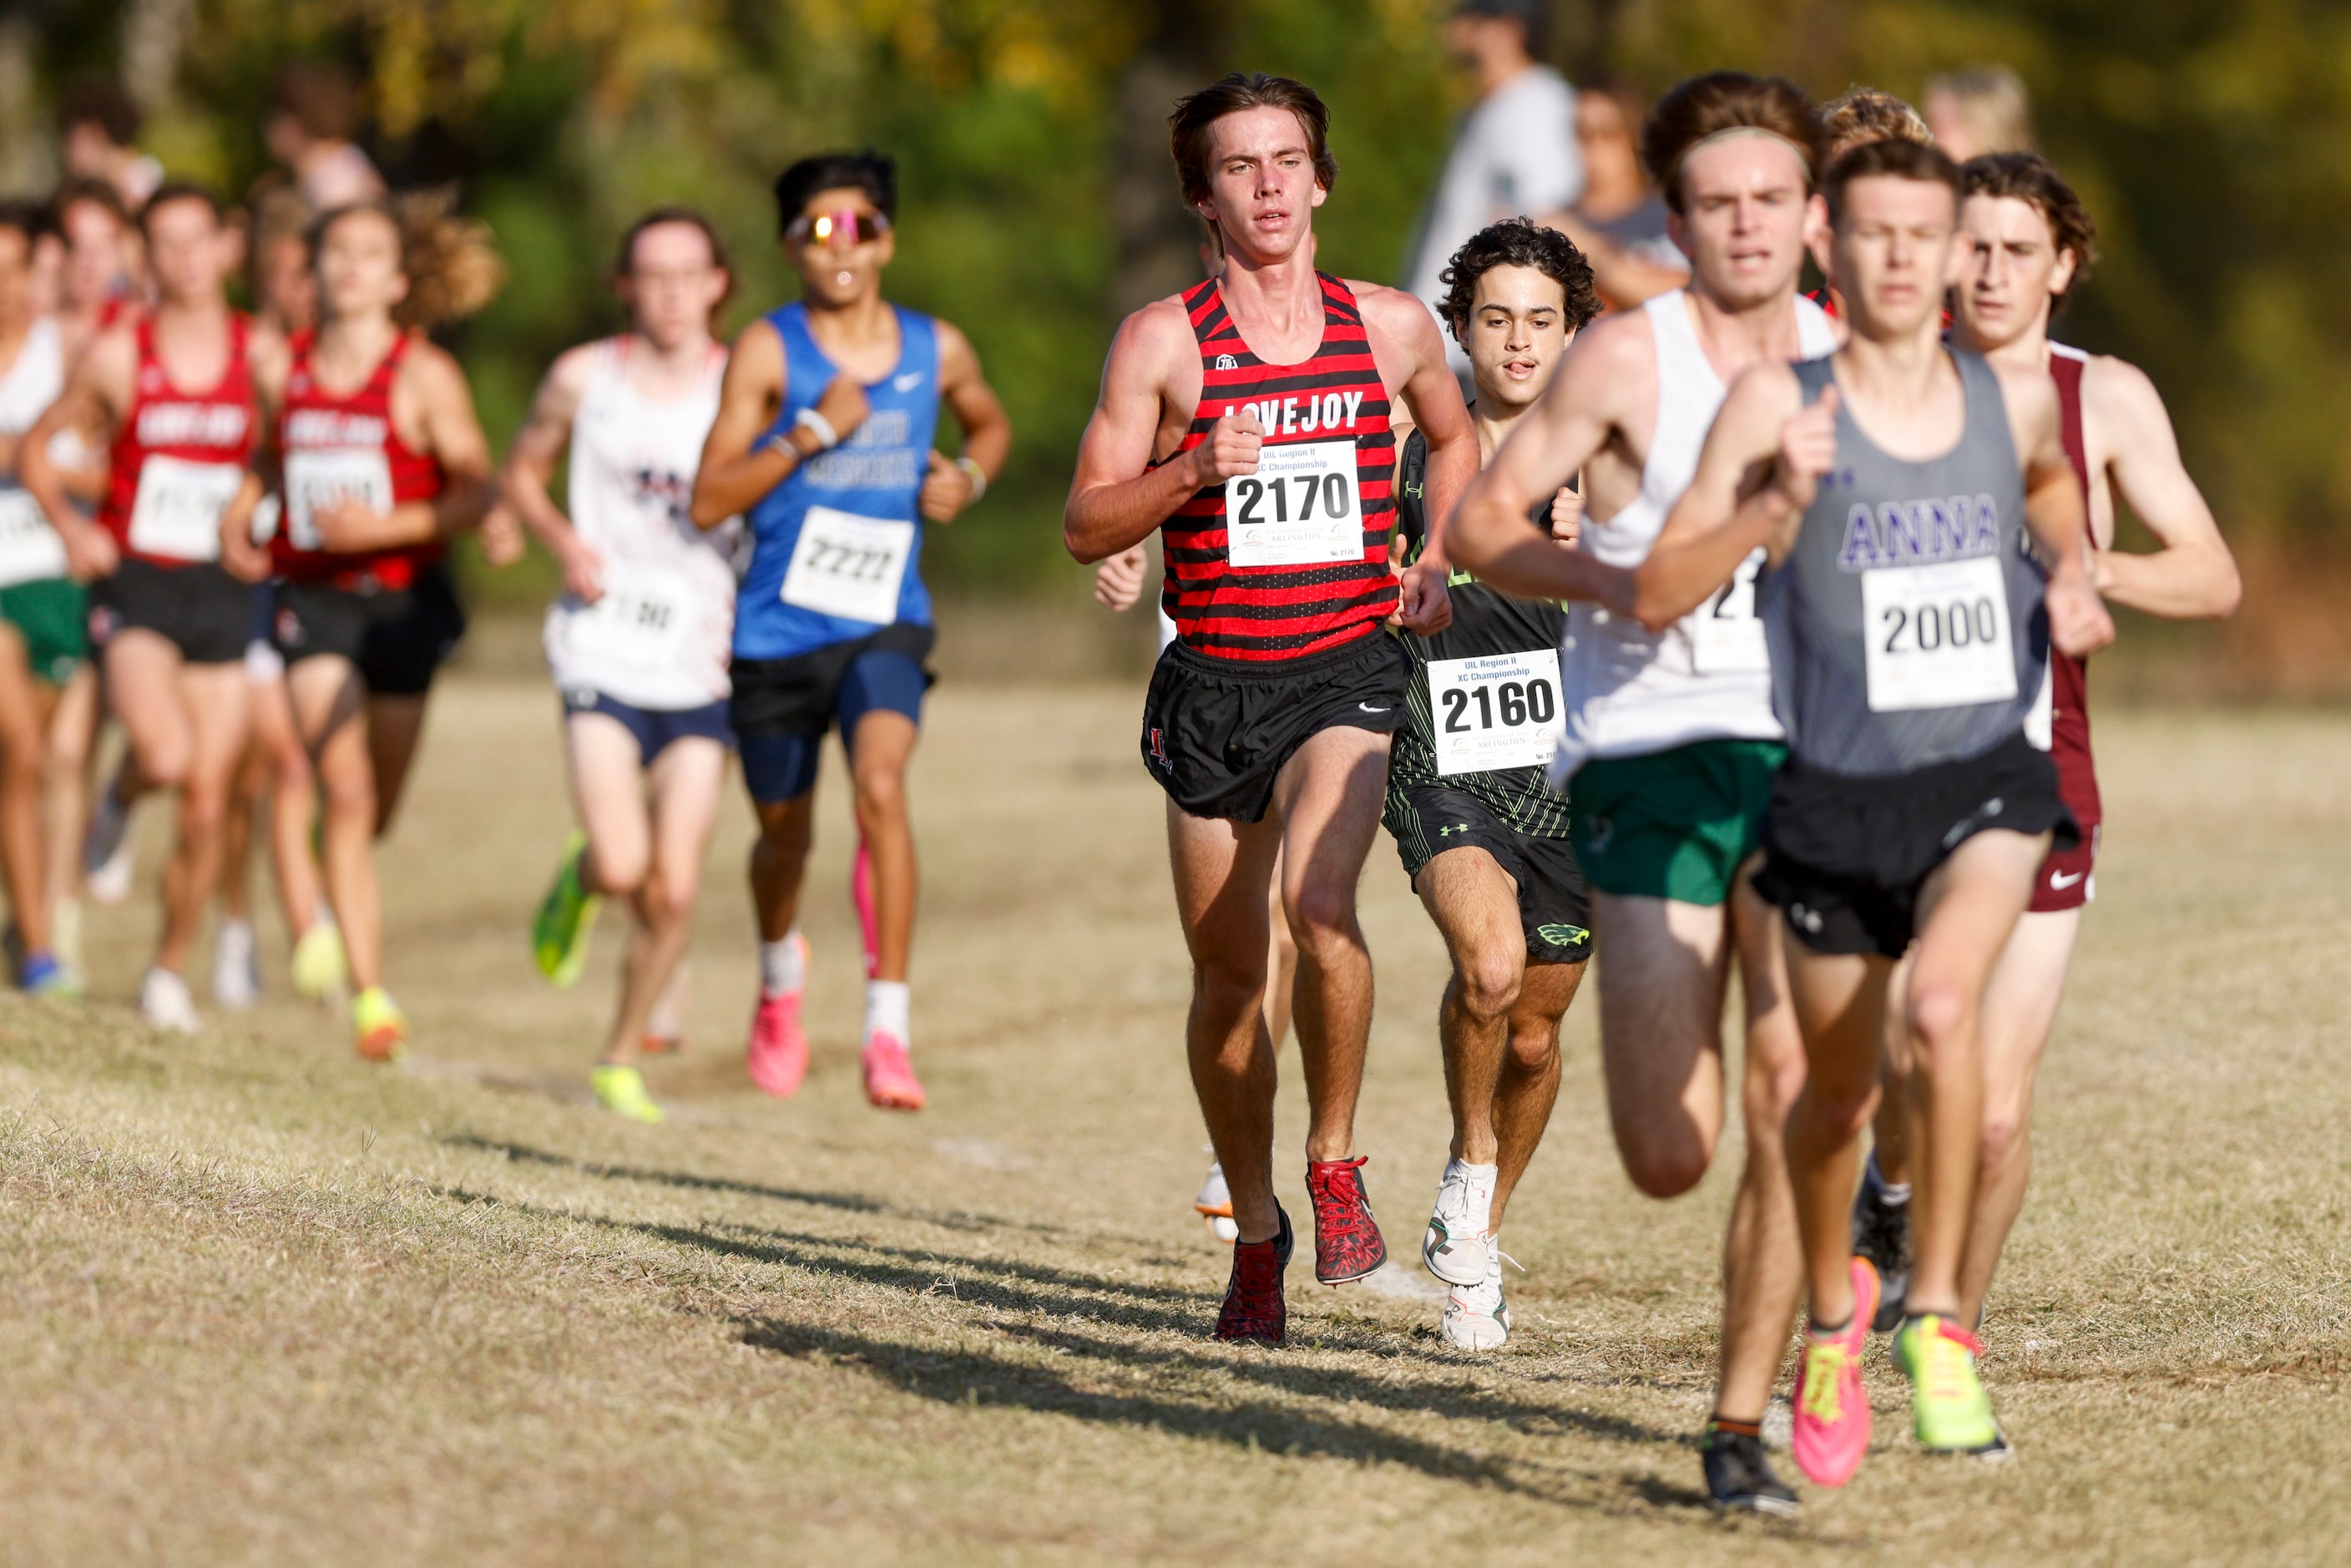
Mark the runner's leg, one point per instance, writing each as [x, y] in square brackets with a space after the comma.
[1968, 909]
[2019, 1008]
[879, 749]
[332, 713]
[395, 726]
[1661, 995]
[1280, 962]
[1221, 869]
[215, 699]
[684, 801]
[1840, 1001]
[1475, 905]
[293, 806]
[23, 763]
[72, 730]
[1328, 798]
[1762, 1264]
[1529, 1085]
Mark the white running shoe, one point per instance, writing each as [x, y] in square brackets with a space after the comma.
[108, 849]
[236, 966]
[1215, 1205]
[165, 1003]
[1475, 1316]
[1455, 1246]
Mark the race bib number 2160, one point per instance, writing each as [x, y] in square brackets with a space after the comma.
[1498, 710]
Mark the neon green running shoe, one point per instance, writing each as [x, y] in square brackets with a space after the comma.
[319, 967]
[1947, 1400]
[559, 937]
[379, 1027]
[622, 1090]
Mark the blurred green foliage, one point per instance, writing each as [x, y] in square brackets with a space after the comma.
[2206, 137]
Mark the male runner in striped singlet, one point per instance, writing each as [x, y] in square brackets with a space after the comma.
[1900, 491]
[1249, 416]
[638, 642]
[824, 443]
[176, 385]
[1482, 832]
[1670, 739]
[2030, 243]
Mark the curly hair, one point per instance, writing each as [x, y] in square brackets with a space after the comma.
[2030, 178]
[1516, 242]
[1862, 114]
[453, 264]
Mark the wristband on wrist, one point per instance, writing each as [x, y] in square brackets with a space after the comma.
[819, 426]
[978, 475]
[782, 442]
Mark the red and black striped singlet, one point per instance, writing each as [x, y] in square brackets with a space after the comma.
[1264, 613]
[2069, 677]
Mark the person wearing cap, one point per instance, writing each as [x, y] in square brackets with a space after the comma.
[1514, 151]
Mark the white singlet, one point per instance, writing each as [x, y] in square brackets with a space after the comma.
[660, 635]
[1630, 691]
[29, 548]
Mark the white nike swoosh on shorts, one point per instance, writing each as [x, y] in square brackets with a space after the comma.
[1369, 708]
[2060, 882]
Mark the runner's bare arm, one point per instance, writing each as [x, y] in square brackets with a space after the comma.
[1624, 279]
[539, 446]
[2054, 515]
[986, 429]
[1757, 473]
[2193, 575]
[1549, 444]
[735, 472]
[1116, 499]
[240, 557]
[96, 394]
[1409, 349]
[271, 365]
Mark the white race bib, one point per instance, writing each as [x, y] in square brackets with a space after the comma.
[640, 623]
[849, 566]
[1300, 508]
[1500, 710]
[1938, 637]
[1726, 636]
[29, 548]
[178, 510]
[319, 479]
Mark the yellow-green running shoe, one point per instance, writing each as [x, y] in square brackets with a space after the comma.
[380, 1028]
[622, 1089]
[1947, 1400]
[318, 965]
[559, 935]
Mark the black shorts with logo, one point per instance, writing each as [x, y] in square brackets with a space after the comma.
[1427, 817]
[1216, 731]
[1844, 857]
[198, 608]
[397, 638]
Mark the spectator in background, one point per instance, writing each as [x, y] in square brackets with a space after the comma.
[1513, 152]
[98, 139]
[314, 117]
[1981, 109]
[1619, 222]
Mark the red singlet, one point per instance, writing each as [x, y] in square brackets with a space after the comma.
[1299, 589]
[2064, 880]
[180, 457]
[346, 447]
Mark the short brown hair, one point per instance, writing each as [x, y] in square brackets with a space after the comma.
[99, 193]
[2030, 177]
[1718, 101]
[625, 261]
[1196, 113]
[1862, 114]
[1921, 160]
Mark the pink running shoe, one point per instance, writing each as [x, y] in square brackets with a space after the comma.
[861, 892]
[1831, 1407]
[890, 1081]
[777, 1054]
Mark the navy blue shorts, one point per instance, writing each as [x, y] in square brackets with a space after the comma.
[656, 728]
[782, 708]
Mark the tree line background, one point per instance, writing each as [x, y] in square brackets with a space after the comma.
[1037, 202]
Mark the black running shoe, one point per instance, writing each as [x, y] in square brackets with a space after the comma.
[1254, 1309]
[1881, 1233]
[1738, 1476]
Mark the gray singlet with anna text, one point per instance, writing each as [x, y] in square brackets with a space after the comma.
[1905, 625]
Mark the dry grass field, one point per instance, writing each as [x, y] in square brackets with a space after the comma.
[259, 1302]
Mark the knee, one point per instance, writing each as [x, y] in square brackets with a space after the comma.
[1838, 1110]
[24, 763]
[349, 793]
[2003, 1137]
[666, 897]
[1488, 984]
[617, 873]
[1938, 1013]
[203, 806]
[1534, 1049]
[1227, 991]
[1323, 915]
[881, 796]
[1664, 1162]
[163, 764]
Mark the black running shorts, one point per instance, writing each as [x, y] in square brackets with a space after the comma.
[1430, 819]
[199, 608]
[397, 638]
[1844, 858]
[1217, 731]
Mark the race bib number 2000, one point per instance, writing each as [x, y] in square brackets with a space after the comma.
[1938, 637]
[1499, 710]
[849, 566]
[1300, 508]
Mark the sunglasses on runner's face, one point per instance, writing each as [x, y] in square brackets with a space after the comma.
[843, 228]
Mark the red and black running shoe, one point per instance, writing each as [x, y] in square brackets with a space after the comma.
[1253, 1307]
[1347, 1244]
